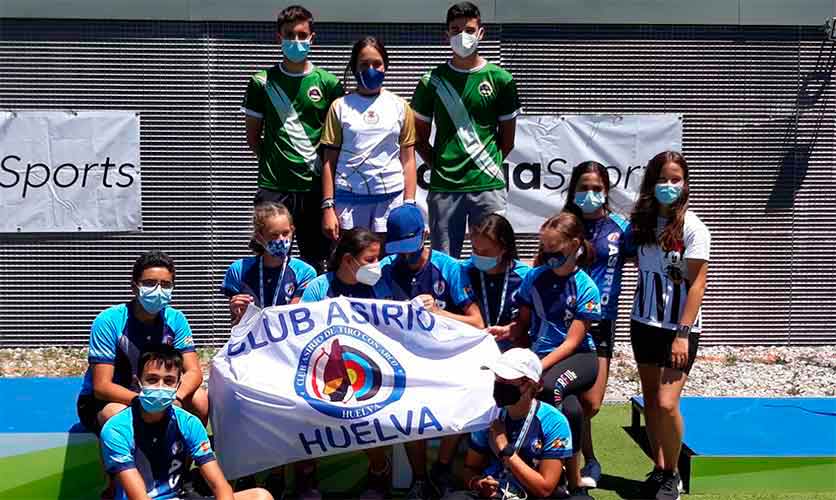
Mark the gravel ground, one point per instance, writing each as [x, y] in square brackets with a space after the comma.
[719, 371]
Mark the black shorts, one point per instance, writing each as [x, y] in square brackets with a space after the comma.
[603, 333]
[313, 247]
[652, 345]
[571, 376]
[88, 408]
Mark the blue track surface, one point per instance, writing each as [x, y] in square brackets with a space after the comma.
[761, 427]
[39, 404]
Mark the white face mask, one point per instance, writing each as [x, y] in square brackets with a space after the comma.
[369, 274]
[464, 44]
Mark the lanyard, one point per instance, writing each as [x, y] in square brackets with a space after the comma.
[485, 306]
[278, 283]
[507, 493]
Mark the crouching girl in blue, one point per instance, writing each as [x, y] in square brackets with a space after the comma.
[557, 302]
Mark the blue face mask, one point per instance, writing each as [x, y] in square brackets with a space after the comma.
[553, 260]
[296, 50]
[667, 193]
[154, 299]
[590, 201]
[370, 78]
[157, 399]
[278, 248]
[483, 263]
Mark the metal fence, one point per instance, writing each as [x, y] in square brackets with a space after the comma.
[758, 134]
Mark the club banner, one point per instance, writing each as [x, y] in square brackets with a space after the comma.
[69, 172]
[309, 380]
[547, 147]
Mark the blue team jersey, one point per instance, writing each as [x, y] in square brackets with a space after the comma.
[328, 286]
[242, 277]
[555, 302]
[548, 437]
[442, 277]
[609, 237]
[159, 451]
[493, 312]
[118, 338]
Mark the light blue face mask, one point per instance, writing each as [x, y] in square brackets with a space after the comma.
[157, 399]
[590, 201]
[154, 299]
[278, 248]
[296, 50]
[667, 193]
[483, 263]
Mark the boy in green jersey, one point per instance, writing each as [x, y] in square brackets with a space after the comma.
[285, 109]
[474, 105]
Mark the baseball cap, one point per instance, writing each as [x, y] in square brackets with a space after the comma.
[404, 229]
[517, 363]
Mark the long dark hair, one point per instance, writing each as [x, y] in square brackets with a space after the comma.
[352, 242]
[497, 228]
[570, 227]
[366, 41]
[646, 209]
[586, 167]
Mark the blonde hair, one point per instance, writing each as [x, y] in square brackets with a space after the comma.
[262, 213]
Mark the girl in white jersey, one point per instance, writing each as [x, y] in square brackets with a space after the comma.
[673, 251]
[369, 148]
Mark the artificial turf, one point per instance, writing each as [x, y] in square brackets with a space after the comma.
[625, 464]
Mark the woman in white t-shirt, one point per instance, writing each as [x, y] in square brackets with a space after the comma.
[369, 148]
[673, 251]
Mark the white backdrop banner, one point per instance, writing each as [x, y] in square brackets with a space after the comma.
[69, 172]
[309, 380]
[547, 147]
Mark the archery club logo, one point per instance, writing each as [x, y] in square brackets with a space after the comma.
[344, 373]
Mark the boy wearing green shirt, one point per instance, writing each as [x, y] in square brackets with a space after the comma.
[474, 105]
[285, 109]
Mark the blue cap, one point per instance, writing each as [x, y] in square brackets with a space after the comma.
[404, 229]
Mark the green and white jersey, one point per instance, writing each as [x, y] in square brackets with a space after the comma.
[467, 107]
[293, 108]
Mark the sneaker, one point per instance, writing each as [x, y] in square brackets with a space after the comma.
[670, 488]
[652, 482]
[442, 479]
[310, 494]
[561, 491]
[591, 474]
[420, 490]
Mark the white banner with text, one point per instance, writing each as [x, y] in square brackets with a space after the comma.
[308, 380]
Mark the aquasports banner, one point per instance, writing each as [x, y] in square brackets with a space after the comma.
[69, 171]
[308, 380]
[548, 147]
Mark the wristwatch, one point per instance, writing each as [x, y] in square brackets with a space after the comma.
[682, 331]
[507, 452]
[327, 203]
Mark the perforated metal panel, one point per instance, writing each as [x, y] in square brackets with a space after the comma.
[759, 135]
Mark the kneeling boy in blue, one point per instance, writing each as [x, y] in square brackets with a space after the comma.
[148, 446]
